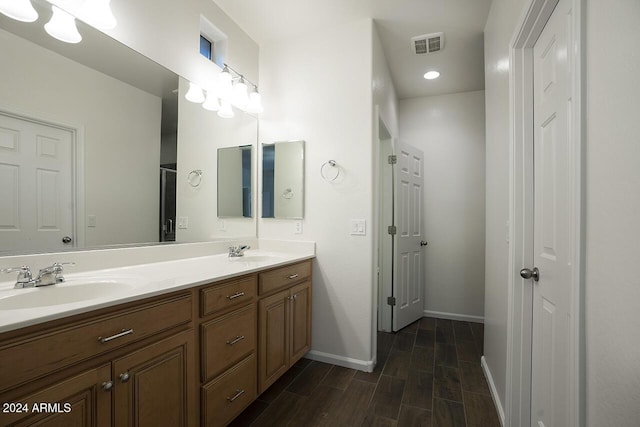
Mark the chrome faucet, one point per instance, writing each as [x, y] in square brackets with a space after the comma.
[46, 276]
[237, 251]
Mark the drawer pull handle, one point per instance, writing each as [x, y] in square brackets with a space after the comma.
[293, 276]
[236, 295]
[124, 377]
[236, 340]
[237, 395]
[113, 337]
[107, 385]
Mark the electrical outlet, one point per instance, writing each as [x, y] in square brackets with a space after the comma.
[183, 222]
[298, 229]
[92, 221]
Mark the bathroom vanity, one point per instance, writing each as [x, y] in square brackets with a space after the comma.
[174, 354]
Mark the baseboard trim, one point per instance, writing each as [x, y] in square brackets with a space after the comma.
[494, 392]
[345, 362]
[454, 316]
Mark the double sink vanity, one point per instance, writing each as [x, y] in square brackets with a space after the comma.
[184, 342]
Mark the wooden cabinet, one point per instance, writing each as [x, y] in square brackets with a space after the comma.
[285, 322]
[81, 400]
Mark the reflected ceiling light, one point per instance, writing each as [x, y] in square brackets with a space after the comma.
[62, 26]
[20, 10]
[97, 13]
[240, 94]
[430, 75]
[226, 112]
[194, 94]
[211, 103]
[255, 102]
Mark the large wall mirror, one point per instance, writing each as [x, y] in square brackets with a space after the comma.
[283, 180]
[97, 144]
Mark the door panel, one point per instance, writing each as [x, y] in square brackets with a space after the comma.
[408, 255]
[36, 162]
[551, 345]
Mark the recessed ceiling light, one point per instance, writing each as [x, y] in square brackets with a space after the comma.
[430, 75]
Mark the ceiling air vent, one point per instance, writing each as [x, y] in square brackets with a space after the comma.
[427, 43]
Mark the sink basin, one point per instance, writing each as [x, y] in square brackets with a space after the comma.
[249, 257]
[74, 290]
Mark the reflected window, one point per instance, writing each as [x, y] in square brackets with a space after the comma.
[268, 163]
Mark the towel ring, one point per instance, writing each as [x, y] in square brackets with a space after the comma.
[195, 178]
[330, 170]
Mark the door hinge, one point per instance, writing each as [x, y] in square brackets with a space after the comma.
[392, 159]
[392, 230]
[391, 300]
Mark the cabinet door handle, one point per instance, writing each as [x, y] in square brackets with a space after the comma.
[107, 385]
[234, 397]
[124, 377]
[236, 340]
[236, 295]
[113, 337]
[293, 276]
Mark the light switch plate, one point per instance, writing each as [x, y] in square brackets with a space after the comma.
[358, 227]
[92, 221]
[183, 222]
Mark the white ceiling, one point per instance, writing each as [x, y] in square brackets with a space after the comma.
[460, 62]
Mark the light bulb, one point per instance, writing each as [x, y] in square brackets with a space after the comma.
[225, 86]
[20, 10]
[211, 103]
[194, 94]
[430, 75]
[240, 95]
[226, 112]
[62, 26]
[255, 103]
[97, 13]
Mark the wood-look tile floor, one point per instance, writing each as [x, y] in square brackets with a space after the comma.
[428, 374]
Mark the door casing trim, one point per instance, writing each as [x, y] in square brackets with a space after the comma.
[520, 294]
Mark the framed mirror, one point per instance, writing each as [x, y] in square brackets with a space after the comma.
[235, 182]
[97, 143]
[283, 180]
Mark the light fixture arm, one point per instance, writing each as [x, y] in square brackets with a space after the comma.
[240, 76]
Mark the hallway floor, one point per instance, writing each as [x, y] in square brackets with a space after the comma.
[428, 374]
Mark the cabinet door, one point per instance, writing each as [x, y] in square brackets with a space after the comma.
[274, 338]
[154, 386]
[300, 319]
[80, 401]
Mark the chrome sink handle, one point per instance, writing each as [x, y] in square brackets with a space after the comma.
[24, 275]
[52, 274]
[238, 251]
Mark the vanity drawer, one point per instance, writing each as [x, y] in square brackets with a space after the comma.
[226, 340]
[226, 396]
[284, 276]
[229, 294]
[38, 355]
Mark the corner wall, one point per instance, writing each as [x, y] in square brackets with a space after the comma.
[317, 88]
[450, 130]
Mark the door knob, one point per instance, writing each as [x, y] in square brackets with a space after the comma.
[534, 274]
[423, 243]
[66, 239]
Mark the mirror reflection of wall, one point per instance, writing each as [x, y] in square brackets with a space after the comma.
[283, 180]
[235, 182]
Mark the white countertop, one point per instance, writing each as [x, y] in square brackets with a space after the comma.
[129, 283]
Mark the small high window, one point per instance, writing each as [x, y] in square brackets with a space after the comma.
[213, 42]
[206, 47]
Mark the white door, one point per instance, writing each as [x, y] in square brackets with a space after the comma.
[408, 254]
[551, 345]
[36, 212]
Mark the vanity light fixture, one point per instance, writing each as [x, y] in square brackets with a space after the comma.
[240, 94]
[20, 10]
[226, 112]
[62, 26]
[194, 94]
[255, 103]
[211, 103]
[97, 13]
[430, 75]
[225, 83]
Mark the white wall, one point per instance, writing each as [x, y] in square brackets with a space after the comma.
[613, 203]
[497, 35]
[317, 88]
[120, 127]
[450, 130]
